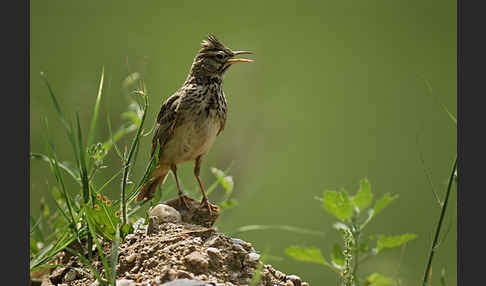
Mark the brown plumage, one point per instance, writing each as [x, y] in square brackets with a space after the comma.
[190, 119]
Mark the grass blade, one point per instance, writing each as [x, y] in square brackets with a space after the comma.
[72, 172]
[82, 163]
[439, 224]
[114, 255]
[278, 227]
[98, 245]
[96, 110]
[127, 163]
[88, 264]
[67, 125]
[429, 88]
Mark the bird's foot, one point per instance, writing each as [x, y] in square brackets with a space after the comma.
[205, 203]
[183, 203]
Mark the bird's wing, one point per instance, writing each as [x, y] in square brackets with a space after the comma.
[223, 115]
[166, 121]
[222, 122]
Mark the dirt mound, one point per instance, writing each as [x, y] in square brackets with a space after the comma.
[168, 251]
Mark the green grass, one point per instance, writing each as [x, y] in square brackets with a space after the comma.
[81, 219]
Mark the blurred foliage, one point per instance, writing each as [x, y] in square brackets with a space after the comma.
[339, 89]
[354, 215]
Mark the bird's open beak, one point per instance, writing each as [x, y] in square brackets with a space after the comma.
[232, 61]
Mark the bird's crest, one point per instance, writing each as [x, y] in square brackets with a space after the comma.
[212, 44]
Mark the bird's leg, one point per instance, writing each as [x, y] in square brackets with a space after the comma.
[179, 190]
[197, 169]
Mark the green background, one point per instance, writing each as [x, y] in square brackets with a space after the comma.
[336, 94]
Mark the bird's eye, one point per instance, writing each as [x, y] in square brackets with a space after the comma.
[219, 56]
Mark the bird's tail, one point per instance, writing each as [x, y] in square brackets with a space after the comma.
[150, 187]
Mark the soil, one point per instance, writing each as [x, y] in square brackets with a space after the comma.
[182, 252]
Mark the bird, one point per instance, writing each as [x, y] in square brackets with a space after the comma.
[190, 119]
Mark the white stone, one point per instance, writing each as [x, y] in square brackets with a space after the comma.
[165, 213]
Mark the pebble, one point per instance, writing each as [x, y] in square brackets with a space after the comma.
[252, 256]
[197, 262]
[187, 282]
[130, 258]
[165, 213]
[295, 280]
[184, 274]
[243, 243]
[171, 274]
[213, 251]
[279, 275]
[125, 282]
[130, 237]
[238, 248]
[214, 241]
[70, 275]
[134, 269]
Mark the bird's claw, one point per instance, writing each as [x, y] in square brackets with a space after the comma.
[183, 202]
[205, 203]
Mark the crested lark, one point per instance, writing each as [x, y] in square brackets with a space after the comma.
[190, 119]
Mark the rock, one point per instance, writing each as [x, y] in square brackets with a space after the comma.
[215, 257]
[130, 258]
[188, 282]
[239, 248]
[165, 213]
[125, 282]
[153, 225]
[184, 274]
[252, 256]
[196, 262]
[295, 280]
[170, 275]
[214, 241]
[71, 275]
[46, 282]
[57, 275]
[246, 245]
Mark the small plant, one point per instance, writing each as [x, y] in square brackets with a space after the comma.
[91, 220]
[354, 213]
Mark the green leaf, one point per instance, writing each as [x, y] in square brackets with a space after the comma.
[393, 241]
[377, 279]
[364, 196]
[228, 204]
[126, 229]
[337, 255]
[338, 204]
[340, 226]
[383, 203]
[225, 181]
[310, 254]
